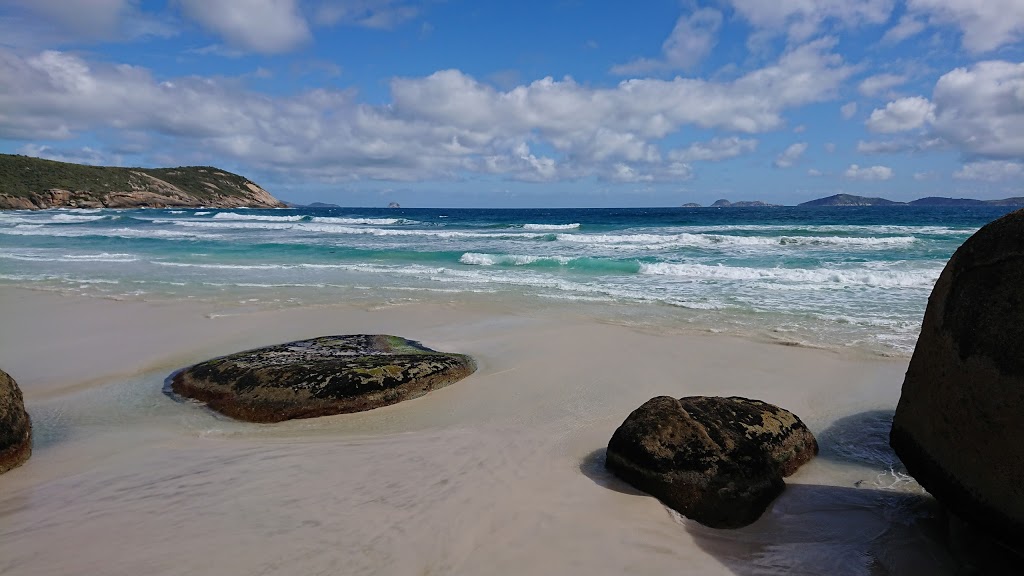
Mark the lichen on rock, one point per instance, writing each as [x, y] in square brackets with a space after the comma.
[319, 377]
[719, 461]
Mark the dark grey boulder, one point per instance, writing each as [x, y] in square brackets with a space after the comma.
[959, 426]
[719, 461]
[319, 377]
[15, 425]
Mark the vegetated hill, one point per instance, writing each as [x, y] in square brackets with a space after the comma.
[33, 183]
[723, 203]
[849, 200]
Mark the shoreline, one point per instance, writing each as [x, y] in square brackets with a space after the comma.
[501, 472]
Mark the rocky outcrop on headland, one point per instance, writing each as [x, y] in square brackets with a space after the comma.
[959, 426]
[15, 425]
[33, 183]
[319, 377]
[719, 461]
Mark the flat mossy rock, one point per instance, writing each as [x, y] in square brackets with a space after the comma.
[719, 461]
[959, 426]
[319, 377]
[15, 425]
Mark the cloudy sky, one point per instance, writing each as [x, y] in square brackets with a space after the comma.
[554, 103]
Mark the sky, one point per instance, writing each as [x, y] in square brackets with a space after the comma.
[563, 103]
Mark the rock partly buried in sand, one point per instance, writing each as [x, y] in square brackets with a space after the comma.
[959, 426]
[320, 376]
[15, 425]
[719, 461]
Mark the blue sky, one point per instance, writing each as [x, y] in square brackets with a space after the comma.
[564, 103]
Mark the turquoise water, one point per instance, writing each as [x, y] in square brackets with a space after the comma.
[832, 277]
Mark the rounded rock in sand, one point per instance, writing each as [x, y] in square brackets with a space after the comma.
[15, 425]
[719, 461]
[320, 377]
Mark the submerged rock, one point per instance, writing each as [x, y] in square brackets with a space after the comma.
[15, 425]
[319, 377]
[959, 426]
[719, 461]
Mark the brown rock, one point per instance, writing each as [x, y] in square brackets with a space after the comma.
[319, 377]
[719, 461]
[15, 425]
[959, 426]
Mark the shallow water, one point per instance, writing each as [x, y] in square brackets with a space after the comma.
[501, 473]
[836, 278]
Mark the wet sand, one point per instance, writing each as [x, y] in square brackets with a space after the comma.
[501, 473]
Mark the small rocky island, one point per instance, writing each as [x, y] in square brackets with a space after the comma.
[28, 183]
[320, 377]
[719, 461]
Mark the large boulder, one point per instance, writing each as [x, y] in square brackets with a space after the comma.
[320, 376]
[719, 461]
[15, 425]
[959, 426]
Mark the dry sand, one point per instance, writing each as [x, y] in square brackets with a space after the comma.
[501, 473]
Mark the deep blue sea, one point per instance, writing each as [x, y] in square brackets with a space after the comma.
[832, 277]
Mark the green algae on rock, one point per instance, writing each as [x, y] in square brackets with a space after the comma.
[15, 425]
[320, 377]
[719, 461]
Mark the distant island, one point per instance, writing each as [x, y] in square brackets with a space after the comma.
[851, 200]
[311, 205]
[723, 203]
[28, 183]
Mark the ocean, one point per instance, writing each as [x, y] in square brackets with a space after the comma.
[848, 278]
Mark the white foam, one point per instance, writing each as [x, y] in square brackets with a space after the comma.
[340, 229]
[719, 240]
[831, 277]
[367, 221]
[222, 266]
[65, 218]
[104, 257]
[257, 217]
[477, 259]
[574, 226]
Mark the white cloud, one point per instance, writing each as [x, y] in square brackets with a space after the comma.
[381, 14]
[439, 126]
[801, 19]
[980, 109]
[35, 23]
[991, 171]
[848, 110]
[790, 155]
[84, 18]
[814, 172]
[900, 146]
[265, 26]
[855, 172]
[714, 150]
[689, 43]
[84, 155]
[830, 147]
[986, 24]
[875, 85]
[902, 115]
[923, 176]
[907, 26]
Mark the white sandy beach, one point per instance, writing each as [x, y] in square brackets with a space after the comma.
[501, 473]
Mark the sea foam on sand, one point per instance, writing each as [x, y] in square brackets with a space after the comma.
[501, 473]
